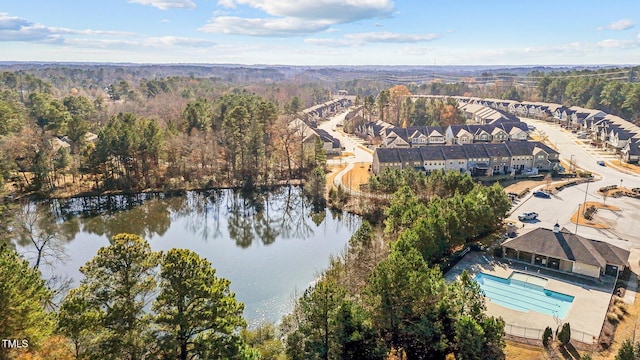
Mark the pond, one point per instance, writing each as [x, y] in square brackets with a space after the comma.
[271, 245]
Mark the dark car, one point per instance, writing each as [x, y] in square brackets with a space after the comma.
[541, 194]
[600, 162]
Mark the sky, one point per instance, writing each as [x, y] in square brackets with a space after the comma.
[322, 32]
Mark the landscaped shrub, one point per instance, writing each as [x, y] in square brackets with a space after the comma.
[564, 336]
[588, 214]
[613, 318]
[546, 336]
[623, 309]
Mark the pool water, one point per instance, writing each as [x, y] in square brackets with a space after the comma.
[524, 293]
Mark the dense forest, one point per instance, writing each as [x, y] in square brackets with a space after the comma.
[614, 91]
[73, 133]
[386, 294]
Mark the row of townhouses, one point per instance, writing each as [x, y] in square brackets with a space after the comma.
[308, 135]
[605, 130]
[413, 136]
[326, 109]
[486, 159]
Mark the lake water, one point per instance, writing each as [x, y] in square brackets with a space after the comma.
[271, 246]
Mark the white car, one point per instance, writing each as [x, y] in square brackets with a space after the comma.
[528, 216]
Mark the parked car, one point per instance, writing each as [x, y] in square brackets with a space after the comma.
[528, 216]
[541, 194]
[600, 162]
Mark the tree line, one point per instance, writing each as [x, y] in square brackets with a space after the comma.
[594, 90]
[113, 141]
[385, 294]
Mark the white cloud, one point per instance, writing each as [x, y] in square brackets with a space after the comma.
[14, 28]
[151, 42]
[415, 50]
[618, 44]
[388, 37]
[292, 18]
[89, 32]
[331, 42]
[335, 10]
[166, 4]
[165, 21]
[229, 4]
[276, 27]
[178, 41]
[622, 24]
[358, 39]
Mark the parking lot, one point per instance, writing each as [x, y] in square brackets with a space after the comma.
[561, 206]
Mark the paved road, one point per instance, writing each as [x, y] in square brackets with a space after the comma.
[351, 144]
[563, 205]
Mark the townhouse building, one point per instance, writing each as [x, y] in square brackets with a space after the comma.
[478, 159]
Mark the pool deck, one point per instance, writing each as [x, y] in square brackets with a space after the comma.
[586, 314]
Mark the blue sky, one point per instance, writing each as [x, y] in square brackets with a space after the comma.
[323, 32]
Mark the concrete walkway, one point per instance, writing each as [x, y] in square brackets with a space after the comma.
[632, 285]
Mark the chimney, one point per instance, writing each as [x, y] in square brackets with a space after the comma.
[556, 228]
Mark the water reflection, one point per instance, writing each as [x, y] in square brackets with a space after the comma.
[271, 245]
[249, 217]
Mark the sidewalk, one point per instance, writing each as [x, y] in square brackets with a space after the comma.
[632, 286]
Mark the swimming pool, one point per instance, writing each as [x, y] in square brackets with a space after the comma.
[524, 292]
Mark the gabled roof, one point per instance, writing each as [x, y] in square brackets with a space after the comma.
[475, 151]
[409, 155]
[500, 149]
[327, 138]
[567, 246]
[454, 152]
[431, 153]
[386, 155]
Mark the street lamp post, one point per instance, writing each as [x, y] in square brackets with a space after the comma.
[580, 205]
[577, 220]
[571, 164]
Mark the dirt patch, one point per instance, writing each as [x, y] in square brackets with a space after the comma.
[578, 217]
[357, 176]
[334, 170]
[517, 351]
[624, 166]
[521, 185]
[626, 329]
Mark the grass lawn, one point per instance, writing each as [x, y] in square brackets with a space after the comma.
[624, 166]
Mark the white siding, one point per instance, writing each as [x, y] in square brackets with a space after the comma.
[585, 269]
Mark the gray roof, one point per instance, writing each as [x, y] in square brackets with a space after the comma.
[386, 155]
[499, 149]
[567, 246]
[474, 151]
[464, 151]
[454, 152]
[430, 153]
